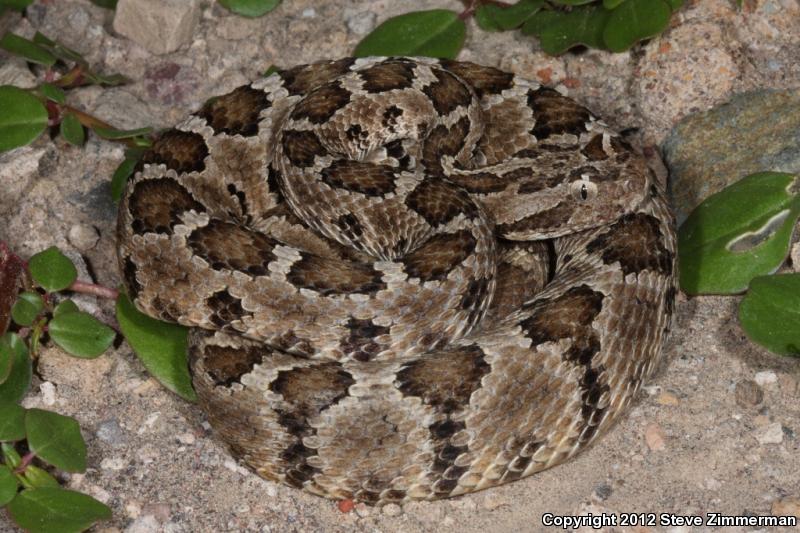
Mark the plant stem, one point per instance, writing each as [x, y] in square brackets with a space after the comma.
[26, 460]
[92, 288]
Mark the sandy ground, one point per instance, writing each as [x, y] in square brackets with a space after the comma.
[715, 431]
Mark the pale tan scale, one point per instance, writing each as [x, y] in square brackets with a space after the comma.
[407, 278]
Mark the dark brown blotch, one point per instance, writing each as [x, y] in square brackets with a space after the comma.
[361, 343]
[129, 277]
[440, 254]
[445, 380]
[331, 277]
[321, 103]
[369, 179]
[182, 151]
[303, 78]
[301, 147]
[636, 242]
[447, 93]
[225, 245]
[544, 220]
[226, 365]
[156, 205]
[484, 80]
[350, 226]
[556, 114]
[443, 141]
[225, 308]
[388, 76]
[236, 113]
[594, 149]
[439, 202]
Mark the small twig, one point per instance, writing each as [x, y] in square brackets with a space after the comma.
[24, 462]
[92, 288]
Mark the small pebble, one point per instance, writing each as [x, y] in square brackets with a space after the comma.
[392, 509]
[186, 438]
[361, 23]
[771, 434]
[766, 377]
[309, 13]
[362, 509]
[83, 237]
[786, 507]
[345, 506]
[602, 492]
[113, 463]
[110, 432]
[667, 398]
[143, 524]
[48, 391]
[654, 437]
[748, 393]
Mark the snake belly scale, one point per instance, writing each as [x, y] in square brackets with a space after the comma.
[406, 278]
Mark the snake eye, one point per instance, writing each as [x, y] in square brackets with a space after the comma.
[583, 190]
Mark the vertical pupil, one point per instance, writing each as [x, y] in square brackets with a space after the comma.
[584, 192]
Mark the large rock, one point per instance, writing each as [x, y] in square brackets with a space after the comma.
[753, 132]
[161, 26]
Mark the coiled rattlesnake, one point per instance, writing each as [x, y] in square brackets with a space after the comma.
[407, 278]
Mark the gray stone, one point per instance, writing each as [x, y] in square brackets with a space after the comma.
[83, 237]
[110, 432]
[753, 132]
[160, 26]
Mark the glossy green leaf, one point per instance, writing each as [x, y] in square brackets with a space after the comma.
[38, 477]
[12, 422]
[11, 456]
[250, 8]
[22, 117]
[26, 49]
[492, 17]
[634, 20]
[13, 389]
[770, 313]
[59, 50]
[271, 70]
[27, 308]
[55, 510]
[80, 334]
[56, 439]
[18, 5]
[121, 175]
[558, 31]
[65, 306]
[108, 4]
[114, 134]
[7, 357]
[435, 33]
[159, 345]
[739, 233]
[51, 92]
[675, 4]
[52, 270]
[8, 485]
[107, 80]
[72, 130]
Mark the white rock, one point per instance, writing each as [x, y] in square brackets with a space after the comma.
[766, 377]
[48, 393]
[83, 237]
[160, 26]
[113, 463]
[392, 509]
[186, 438]
[143, 524]
[309, 13]
[770, 434]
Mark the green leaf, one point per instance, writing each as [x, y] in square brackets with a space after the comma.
[121, 175]
[39, 477]
[250, 8]
[558, 31]
[56, 510]
[59, 50]
[12, 422]
[108, 4]
[10, 455]
[80, 334]
[635, 20]
[739, 233]
[271, 70]
[51, 92]
[56, 439]
[770, 313]
[22, 117]
[66, 306]
[108, 80]
[675, 4]
[26, 49]
[160, 346]
[491, 17]
[7, 357]
[72, 130]
[115, 134]
[27, 308]
[8, 485]
[18, 5]
[52, 270]
[435, 33]
[571, 2]
[13, 389]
